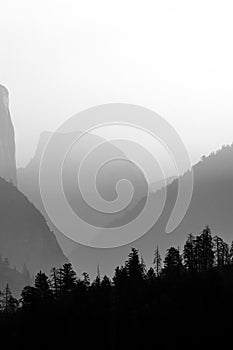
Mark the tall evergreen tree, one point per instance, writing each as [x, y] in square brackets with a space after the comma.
[42, 285]
[151, 275]
[120, 276]
[204, 250]
[86, 279]
[173, 261]
[8, 303]
[157, 261]
[29, 297]
[189, 254]
[221, 252]
[231, 254]
[135, 267]
[54, 281]
[69, 278]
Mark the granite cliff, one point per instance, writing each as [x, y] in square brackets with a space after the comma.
[7, 139]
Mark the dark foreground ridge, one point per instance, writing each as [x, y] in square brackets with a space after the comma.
[25, 238]
[184, 302]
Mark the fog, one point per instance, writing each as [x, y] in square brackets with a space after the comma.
[60, 57]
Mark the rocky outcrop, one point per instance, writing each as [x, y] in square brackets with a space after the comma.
[25, 238]
[7, 140]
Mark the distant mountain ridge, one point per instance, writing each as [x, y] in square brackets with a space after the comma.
[28, 177]
[211, 204]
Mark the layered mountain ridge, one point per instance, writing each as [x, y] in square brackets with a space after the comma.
[211, 204]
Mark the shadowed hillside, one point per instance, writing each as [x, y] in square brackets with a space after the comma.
[24, 235]
[211, 203]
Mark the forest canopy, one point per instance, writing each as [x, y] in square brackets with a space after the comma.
[191, 287]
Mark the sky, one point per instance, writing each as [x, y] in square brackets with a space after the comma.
[59, 57]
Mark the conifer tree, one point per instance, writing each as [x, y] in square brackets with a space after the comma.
[189, 254]
[42, 285]
[134, 267]
[157, 262]
[8, 303]
[204, 250]
[69, 278]
[173, 261]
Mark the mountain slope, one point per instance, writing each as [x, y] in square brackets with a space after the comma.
[211, 204]
[28, 179]
[24, 235]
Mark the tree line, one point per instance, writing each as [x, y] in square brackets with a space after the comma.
[188, 288]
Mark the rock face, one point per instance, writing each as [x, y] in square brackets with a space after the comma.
[7, 140]
[25, 238]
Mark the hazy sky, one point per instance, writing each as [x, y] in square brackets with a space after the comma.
[175, 57]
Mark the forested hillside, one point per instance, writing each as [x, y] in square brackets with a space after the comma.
[182, 302]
